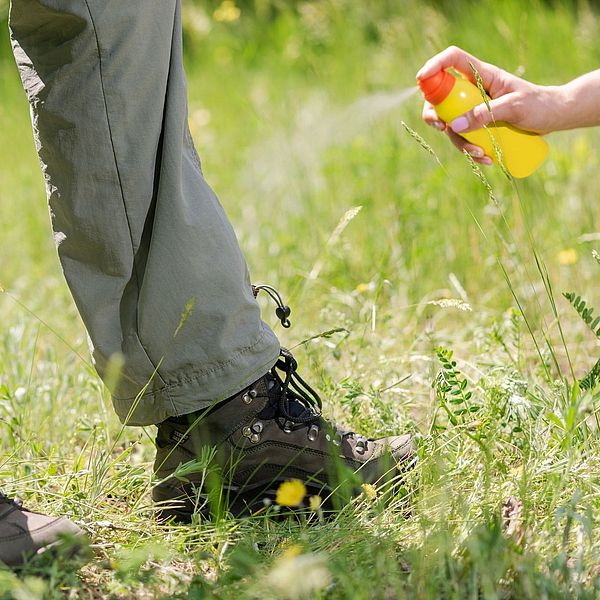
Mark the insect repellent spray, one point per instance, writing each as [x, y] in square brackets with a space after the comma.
[522, 151]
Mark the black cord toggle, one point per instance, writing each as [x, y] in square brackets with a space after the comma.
[282, 311]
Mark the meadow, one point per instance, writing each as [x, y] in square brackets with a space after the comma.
[438, 288]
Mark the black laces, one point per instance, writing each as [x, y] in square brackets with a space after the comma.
[298, 404]
[297, 401]
[282, 311]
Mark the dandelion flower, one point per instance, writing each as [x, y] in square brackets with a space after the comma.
[290, 493]
[369, 491]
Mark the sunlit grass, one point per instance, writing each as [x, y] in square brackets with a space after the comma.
[504, 499]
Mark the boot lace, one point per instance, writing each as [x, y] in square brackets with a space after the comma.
[297, 401]
[299, 405]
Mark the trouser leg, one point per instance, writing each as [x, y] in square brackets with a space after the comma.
[140, 234]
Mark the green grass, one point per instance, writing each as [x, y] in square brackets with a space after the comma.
[505, 500]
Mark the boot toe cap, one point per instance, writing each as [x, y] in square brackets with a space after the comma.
[401, 447]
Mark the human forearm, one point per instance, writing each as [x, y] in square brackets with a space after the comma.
[579, 102]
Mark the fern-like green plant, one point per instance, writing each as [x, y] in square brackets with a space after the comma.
[451, 389]
[456, 400]
[586, 312]
[592, 378]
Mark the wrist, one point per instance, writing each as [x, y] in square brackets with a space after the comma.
[558, 102]
[563, 102]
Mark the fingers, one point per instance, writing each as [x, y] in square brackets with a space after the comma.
[459, 59]
[476, 118]
[431, 118]
[475, 152]
[505, 108]
[453, 56]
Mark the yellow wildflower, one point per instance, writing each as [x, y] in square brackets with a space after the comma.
[369, 491]
[568, 256]
[292, 551]
[314, 502]
[290, 493]
[227, 12]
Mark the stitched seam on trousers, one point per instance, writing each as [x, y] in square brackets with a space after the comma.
[199, 374]
[216, 366]
[110, 136]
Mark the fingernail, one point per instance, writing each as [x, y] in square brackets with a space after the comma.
[459, 124]
[438, 125]
[476, 153]
[418, 75]
[486, 160]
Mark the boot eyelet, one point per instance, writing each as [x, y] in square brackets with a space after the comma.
[360, 449]
[258, 427]
[252, 393]
[313, 432]
[247, 398]
[247, 431]
[327, 437]
[255, 438]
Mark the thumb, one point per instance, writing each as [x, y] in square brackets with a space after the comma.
[500, 109]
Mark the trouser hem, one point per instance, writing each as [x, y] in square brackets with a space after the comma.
[195, 389]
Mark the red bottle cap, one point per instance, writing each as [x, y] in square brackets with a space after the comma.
[437, 87]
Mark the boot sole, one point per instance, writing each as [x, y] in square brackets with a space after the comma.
[238, 504]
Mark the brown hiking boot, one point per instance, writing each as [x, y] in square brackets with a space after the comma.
[24, 533]
[266, 434]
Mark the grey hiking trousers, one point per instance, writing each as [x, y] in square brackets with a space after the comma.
[150, 257]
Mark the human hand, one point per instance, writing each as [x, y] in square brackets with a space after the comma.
[516, 101]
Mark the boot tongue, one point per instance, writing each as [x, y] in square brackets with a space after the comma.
[294, 407]
[273, 390]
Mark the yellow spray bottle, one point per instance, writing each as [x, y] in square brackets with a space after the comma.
[522, 151]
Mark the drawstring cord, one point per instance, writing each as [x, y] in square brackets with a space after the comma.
[282, 311]
[291, 387]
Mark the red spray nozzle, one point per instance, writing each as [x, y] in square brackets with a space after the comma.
[437, 87]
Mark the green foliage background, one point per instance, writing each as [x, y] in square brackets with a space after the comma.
[269, 93]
